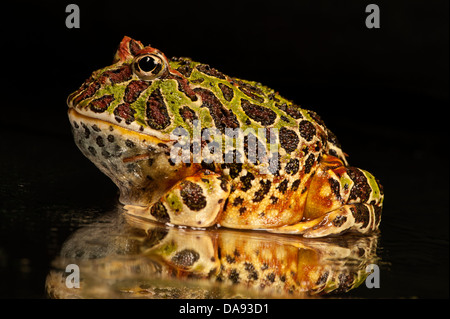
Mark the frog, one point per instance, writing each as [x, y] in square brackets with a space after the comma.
[129, 118]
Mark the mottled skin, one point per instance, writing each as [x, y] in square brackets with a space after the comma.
[122, 118]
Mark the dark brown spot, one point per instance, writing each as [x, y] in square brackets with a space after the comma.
[110, 138]
[282, 187]
[183, 86]
[322, 279]
[295, 185]
[234, 276]
[92, 150]
[157, 116]
[230, 259]
[339, 220]
[291, 109]
[86, 93]
[247, 181]
[87, 132]
[307, 130]
[242, 210]
[159, 211]
[361, 214]
[134, 89]
[361, 188]
[188, 114]
[252, 274]
[309, 163]
[99, 141]
[227, 92]
[222, 116]
[345, 282]
[335, 187]
[288, 139]
[192, 195]
[234, 168]
[292, 166]
[185, 68]
[206, 69]
[273, 200]
[129, 143]
[238, 201]
[262, 191]
[271, 277]
[223, 183]
[101, 104]
[185, 258]
[119, 75]
[124, 111]
[258, 113]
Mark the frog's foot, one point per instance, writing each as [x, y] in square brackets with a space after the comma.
[362, 218]
[195, 201]
[340, 198]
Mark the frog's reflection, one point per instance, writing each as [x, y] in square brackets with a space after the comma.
[124, 257]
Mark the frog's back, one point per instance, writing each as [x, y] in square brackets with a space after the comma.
[259, 200]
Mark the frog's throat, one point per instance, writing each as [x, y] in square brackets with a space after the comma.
[137, 163]
[151, 136]
[108, 118]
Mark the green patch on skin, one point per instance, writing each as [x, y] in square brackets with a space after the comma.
[174, 100]
[167, 249]
[205, 118]
[208, 185]
[174, 201]
[376, 194]
[307, 116]
[140, 105]
[345, 180]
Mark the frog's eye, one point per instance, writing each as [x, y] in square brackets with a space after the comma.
[148, 67]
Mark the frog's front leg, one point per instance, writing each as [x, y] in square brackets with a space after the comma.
[340, 199]
[195, 201]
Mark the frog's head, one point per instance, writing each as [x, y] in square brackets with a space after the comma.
[122, 119]
[132, 92]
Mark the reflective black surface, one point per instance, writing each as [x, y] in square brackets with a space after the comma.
[385, 95]
[120, 256]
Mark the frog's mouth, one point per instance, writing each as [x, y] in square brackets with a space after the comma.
[139, 164]
[133, 131]
[127, 127]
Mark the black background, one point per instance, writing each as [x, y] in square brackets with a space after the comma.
[383, 92]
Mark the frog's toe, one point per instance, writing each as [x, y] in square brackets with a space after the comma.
[361, 218]
[138, 211]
